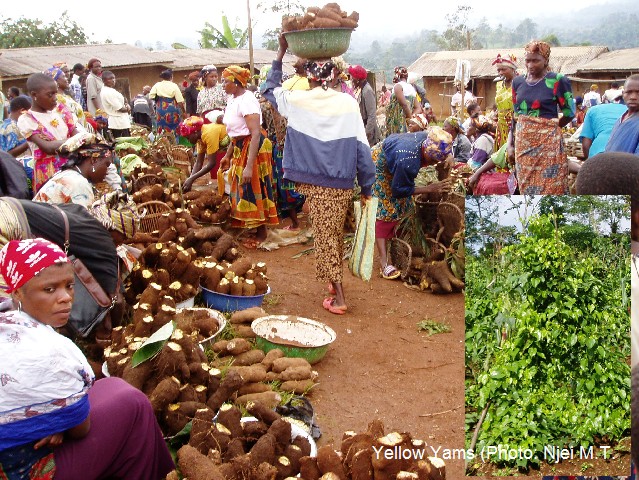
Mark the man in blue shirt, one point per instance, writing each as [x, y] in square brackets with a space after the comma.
[625, 134]
[598, 126]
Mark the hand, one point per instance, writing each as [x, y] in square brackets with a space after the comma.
[472, 181]
[188, 183]
[247, 174]
[54, 440]
[281, 39]
[225, 163]
[440, 187]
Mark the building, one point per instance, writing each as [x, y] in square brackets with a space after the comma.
[437, 70]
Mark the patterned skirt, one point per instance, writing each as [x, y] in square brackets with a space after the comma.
[541, 163]
[46, 166]
[287, 198]
[389, 208]
[168, 114]
[395, 117]
[253, 204]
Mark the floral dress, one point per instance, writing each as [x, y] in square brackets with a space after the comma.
[504, 102]
[211, 99]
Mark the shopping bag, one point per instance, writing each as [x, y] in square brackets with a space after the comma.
[361, 260]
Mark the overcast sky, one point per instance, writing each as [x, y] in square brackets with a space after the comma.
[128, 21]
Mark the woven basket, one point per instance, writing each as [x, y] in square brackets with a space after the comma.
[451, 221]
[144, 181]
[456, 199]
[150, 213]
[427, 212]
[400, 254]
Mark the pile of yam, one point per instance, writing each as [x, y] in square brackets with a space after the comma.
[240, 278]
[330, 15]
[207, 206]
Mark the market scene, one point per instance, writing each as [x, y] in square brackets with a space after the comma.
[231, 263]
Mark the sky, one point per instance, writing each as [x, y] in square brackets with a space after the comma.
[132, 20]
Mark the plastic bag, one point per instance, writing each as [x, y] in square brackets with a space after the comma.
[361, 261]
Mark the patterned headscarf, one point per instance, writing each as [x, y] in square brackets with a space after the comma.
[537, 46]
[60, 65]
[235, 72]
[81, 152]
[322, 72]
[510, 61]
[21, 260]
[400, 72]
[454, 122]
[437, 146]
[116, 211]
[190, 125]
[206, 69]
[54, 72]
[420, 120]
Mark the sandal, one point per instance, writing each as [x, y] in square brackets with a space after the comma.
[291, 229]
[331, 289]
[251, 243]
[390, 272]
[329, 304]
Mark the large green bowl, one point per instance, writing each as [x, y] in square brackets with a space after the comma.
[295, 336]
[319, 43]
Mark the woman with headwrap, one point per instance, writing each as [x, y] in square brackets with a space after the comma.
[212, 95]
[57, 421]
[207, 138]
[398, 159]
[462, 148]
[507, 71]
[168, 102]
[325, 150]
[536, 143]
[85, 167]
[63, 98]
[250, 158]
[403, 103]
[367, 102]
[46, 126]
[191, 93]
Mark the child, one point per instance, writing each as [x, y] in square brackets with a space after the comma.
[12, 141]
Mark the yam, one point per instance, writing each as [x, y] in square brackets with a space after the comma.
[281, 430]
[229, 416]
[167, 391]
[241, 266]
[206, 325]
[234, 449]
[248, 288]
[247, 316]
[297, 386]
[172, 361]
[324, 22]
[268, 399]
[252, 373]
[151, 295]
[163, 278]
[199, 372]
[281, 364]
[219, 347]
[137, 376]
[271, 356]
[165, 314]
[361, 467]
[261, 284]
[264, 471]
[192, 273]
[263, 450]
[210, 233]
[255, 387]
[309, 469]
[236, 286]
[248, 358]
[262, 412]
[328, 461]
[237, 346]
[231, 383]
[186, 216]
[296, 373]
[221, 246]
[231, 254]
[168, 235]
[284, 467]
[244, 331]
[223, 287]
[254, 430]
[303, 444]
[196, 466]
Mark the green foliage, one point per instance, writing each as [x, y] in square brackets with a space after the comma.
[27, 32]
[547, 343]
[228, 37]
[432, 327]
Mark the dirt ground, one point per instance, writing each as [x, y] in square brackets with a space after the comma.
[380, 366]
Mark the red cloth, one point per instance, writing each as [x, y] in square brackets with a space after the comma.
[384, 229]
[357, 72]
[492, 184]
[21, 260]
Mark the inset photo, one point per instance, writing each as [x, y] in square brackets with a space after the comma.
[547, 353]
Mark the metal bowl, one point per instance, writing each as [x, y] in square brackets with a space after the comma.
[219, 318]
[319, 43]
[295, 336]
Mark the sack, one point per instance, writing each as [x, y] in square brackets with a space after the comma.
[361, 261]
[90, 302]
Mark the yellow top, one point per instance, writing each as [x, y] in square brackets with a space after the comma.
[166, 89]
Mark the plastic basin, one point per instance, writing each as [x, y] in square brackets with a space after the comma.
[319, 43]
[231, 303]
[295, 336]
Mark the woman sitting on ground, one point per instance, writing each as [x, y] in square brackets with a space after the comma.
[56, 421]
[398, 160]
[85, 167]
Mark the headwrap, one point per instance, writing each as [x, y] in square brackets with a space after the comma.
[454, 122]
[54, 72]
[420, 120]
[400, 72]
[60, 65]
[594, 87]
[357, 72]
[193, 76]
[213, 115]
[190, 125]
[437, 146]
[235, 72]
[21, 260]
[116, 211]
[537, 46]
[322, 72]
[206, 69]
[509, 61]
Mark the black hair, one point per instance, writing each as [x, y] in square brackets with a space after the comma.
[84, 152]
[108, 73]
[15, 91]
[166, 74]
[21, 102]
[78, 66]
[614, 85]
[38, 81]
[634, 77]
[472, 106]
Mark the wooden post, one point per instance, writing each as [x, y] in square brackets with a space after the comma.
[250, 39]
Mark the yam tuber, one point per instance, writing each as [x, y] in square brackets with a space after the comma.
[229, 385]
[281, 364]
[167, 391]
[268, 399]
[196, 466]
[247, 316]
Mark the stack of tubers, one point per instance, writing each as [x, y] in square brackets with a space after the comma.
[207, 206]
[330, 15]
[240, 278]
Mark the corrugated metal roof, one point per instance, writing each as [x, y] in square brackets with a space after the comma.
[22, 62]
[194, 59]
[617, 60]
[566, 60]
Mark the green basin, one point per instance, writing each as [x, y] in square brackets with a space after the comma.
[319, 43]
[295, 336]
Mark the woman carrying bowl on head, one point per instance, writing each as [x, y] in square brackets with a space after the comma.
[537, 148]
[250, 158]
[57, 421]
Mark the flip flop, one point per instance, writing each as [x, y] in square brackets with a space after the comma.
[390, 272]
[251, 243]
[328, 305]
[291, 229]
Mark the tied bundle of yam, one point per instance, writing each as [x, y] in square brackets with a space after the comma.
[240, 278]
[330, 15]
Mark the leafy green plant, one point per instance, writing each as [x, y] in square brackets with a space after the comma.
[432, 327]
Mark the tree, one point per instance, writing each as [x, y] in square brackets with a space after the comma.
[228, 37]
[26, 32]
[458, 35]
[285, 8]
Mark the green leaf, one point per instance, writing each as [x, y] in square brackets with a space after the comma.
[153, 345]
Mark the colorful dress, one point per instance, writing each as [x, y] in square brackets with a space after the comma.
[75, 108]
[10, 136]
[208, 99]
[395, 116]
[504, 102]
[167, 95]
[57, 124]
[541, 163]
[67, 186]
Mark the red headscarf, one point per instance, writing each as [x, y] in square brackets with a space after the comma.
[357, 72]
[21, 260]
